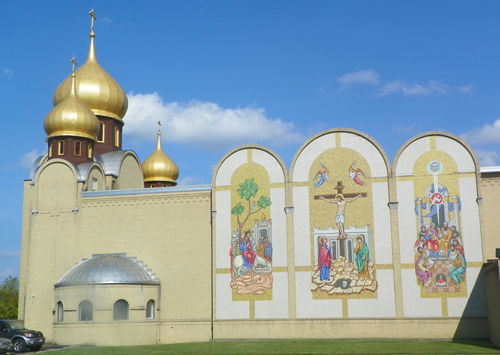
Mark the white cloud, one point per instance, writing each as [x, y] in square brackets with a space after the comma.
[466, 88]
[489, 133]
[188, 180]
[10, 254]
[28, 159]
[415, 89]
[360, 77]
[105, 20]
[205, 124]
[487, 157]
[7, 72]
[8, 272]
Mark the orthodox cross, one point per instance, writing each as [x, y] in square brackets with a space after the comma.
[91, 13]
[340, 190]
[159, 125]
[74, 63]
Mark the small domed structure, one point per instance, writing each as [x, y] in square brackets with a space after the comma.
[71, 128]
[159, 169]
[108, 269]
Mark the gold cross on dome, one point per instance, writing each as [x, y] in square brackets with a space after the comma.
[91, 13]
[73, 60]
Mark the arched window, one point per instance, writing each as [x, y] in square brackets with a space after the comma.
[85, 311]
[60, 148]
[50, 150]
[120, 310]
[78, 146]
[150, 310]
[117, 137]
[89, 151]
[100, 135]
[60, 311]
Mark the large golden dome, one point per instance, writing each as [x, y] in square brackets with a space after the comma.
[71, 117]
[96, 88]
[159, 167]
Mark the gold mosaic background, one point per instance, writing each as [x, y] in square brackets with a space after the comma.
[448, 178]
[357, 213]
[261, 178]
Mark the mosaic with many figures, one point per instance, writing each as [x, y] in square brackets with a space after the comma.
[440, 264]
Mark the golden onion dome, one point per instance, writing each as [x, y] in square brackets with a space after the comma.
[159, 166]
[95, 87]
[71, 117]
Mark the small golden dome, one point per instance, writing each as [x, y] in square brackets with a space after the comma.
[95, 87]
[71, 117]
[159, 167]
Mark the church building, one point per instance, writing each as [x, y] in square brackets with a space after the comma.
[343, 244]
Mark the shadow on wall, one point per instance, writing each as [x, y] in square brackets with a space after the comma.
[492, 284]
[474, 322]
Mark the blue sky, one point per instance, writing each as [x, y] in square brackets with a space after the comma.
[220, 74]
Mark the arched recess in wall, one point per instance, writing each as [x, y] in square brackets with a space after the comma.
[85, 311]
[120, 310]
[249, 230]
[340, 183]
[150, 309]
[438, 217]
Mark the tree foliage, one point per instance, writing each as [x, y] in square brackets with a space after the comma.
[9, 298]
[247, 190]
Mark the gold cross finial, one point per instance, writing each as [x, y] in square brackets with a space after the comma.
[73, 60]
[159, 125]
[93, 18]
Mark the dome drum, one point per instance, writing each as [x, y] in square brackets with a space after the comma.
[157, 183]
[76, 150]
[109, 137]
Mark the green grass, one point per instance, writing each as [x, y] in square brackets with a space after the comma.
[298, 347]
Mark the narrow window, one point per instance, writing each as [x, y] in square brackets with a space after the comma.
[50, 150]
[94, 184]
[78, 146]
[152, 185]
[60, 148]
[100, 135]
[120, 310]
[89, 151]
[85, 311]
[60, 311]
[117, 137]
[150, 310]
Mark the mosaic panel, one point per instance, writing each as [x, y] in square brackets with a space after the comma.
[341, 217]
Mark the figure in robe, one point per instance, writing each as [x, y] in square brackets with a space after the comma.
[422, 270]
[324, 260]
[458, 246]
[362, 256]
[247, 251]
[322, 175]
[455, 233]
[260, 248]
[268, 250]
[445, 241]
[432, 240]
[458, 269]
[354, 174]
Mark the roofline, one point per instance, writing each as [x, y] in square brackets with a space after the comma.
[490, 169]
